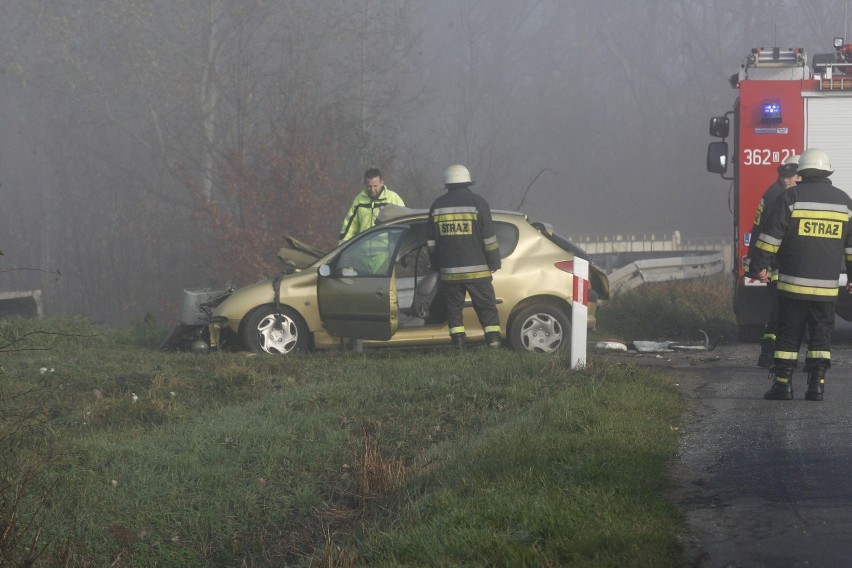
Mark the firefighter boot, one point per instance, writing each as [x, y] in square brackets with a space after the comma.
[493, 339]
[459, 341]
[782, 389]
[767, 353]
[816, 384]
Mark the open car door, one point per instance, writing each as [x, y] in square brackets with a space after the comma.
[357, 291]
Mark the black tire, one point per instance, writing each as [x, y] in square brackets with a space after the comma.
[540, 328]
[262, 331]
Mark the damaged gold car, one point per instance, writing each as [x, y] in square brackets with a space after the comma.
[379, 287]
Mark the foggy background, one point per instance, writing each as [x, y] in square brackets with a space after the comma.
[152, 145]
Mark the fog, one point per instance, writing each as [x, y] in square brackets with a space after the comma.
[152, 145]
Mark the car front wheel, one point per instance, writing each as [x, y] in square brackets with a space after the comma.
[541, 328]
[280, 332]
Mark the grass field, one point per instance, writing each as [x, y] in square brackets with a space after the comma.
[118, 455]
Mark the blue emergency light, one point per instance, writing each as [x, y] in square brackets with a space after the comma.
[771, 112]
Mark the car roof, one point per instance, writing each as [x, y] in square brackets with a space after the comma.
[396, 214]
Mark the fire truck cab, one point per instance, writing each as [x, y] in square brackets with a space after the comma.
[784, 106]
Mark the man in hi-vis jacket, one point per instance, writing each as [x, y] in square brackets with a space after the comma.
[367, 204]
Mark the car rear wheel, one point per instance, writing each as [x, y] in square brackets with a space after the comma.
[541, 328]
[280, 332]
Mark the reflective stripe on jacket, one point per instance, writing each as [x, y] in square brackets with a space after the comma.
[764, 209]
[808, 233]
[461, 238]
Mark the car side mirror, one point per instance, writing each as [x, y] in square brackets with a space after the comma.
[324, 270]
[717, 157]
[719, 126]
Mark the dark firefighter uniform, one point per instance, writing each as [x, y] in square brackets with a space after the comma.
[807, 232]
[764, 208]
[464, 249]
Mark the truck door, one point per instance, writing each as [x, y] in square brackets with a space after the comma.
[356, 290]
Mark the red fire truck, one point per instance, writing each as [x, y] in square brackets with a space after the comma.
[784, 107]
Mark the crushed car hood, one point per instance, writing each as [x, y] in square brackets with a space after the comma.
[299, 255]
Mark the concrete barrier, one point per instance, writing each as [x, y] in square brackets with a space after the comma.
[26, 303]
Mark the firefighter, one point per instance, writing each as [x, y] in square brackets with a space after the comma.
[367, 204]
[807, 234]
[463, 248]
[787, 178]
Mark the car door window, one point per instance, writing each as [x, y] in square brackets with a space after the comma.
[370, 254]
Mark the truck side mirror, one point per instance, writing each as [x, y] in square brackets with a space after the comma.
[717, 157]
[719, 126]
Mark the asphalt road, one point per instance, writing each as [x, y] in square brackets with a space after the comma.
[764, 483]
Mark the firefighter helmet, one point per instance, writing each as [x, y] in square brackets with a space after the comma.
[457, 174]
[815, 159]
[793, 159]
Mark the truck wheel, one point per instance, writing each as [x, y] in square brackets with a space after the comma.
[278, 333]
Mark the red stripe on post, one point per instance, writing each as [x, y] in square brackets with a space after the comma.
[581, 291]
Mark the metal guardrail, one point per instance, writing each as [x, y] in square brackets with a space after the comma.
[665, 269]
[656, 243]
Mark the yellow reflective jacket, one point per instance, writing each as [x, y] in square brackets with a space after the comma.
[364, 211]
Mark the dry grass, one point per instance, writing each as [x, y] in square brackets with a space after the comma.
[333, 555]
[377, 475]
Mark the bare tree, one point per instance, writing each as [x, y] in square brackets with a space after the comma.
[154, 107]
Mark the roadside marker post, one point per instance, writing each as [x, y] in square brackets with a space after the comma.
[580, 313]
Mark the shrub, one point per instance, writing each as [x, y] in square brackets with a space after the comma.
[671, 310]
